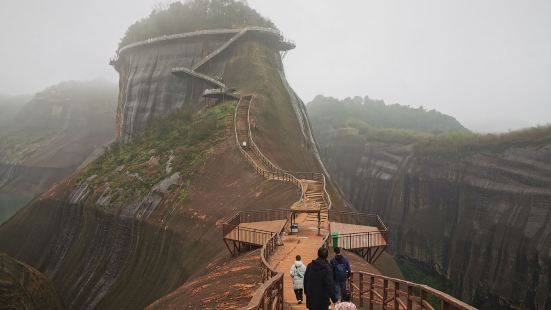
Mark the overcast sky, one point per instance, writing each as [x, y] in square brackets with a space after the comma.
[486, 62]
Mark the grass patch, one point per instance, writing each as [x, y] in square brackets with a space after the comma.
[417, 273]
[176, 143]
[455, 144]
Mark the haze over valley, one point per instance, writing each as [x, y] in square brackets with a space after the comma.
[228, 154]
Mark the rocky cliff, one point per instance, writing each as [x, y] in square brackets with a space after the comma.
[138, 222]
[23, 287]
[50, 136]
[474, 209]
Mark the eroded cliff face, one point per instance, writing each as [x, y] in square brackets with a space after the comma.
[151, 221]
[149, 89]
[481, 219]
[51, 136]
[23, 287]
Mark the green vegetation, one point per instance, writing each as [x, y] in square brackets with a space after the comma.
[429, 132]
[192, 16]
[331, 112]
[173, 144]
[420, 274]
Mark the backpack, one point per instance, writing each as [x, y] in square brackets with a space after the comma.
[341, 274]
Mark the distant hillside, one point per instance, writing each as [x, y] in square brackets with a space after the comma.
[50, 136]
[331, 113]
[467, 211]
[9, 106]
[194, 15]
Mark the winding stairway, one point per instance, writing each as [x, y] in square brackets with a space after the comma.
[265, 228]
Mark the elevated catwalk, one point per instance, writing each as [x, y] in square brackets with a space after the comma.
[255, 233]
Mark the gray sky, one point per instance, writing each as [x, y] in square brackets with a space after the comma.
[486, 62]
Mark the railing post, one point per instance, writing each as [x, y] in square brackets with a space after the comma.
[361, 288]
[409, 301]
[396, 289]
[371, 293]
[351, 285]
[385, 294]
[444, 305]
[423, 298]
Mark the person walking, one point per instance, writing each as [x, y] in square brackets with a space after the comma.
[318, 283]
[297, 274]
[341, 272]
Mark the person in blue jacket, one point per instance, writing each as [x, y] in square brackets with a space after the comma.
[341, 272]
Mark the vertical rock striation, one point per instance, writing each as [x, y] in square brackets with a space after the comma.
[103, 251]
[23, 287]
[480, 219]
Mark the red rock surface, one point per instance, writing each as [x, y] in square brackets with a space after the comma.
[227, 285]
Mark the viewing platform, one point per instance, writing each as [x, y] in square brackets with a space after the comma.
[364, 234]
[249, 229]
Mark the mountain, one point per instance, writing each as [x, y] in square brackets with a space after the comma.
[369, 114]
[470, 209]
[9, 106]
[144, 218]
[50, 136]
[23, 287]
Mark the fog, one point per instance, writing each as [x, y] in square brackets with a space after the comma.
[488, 63]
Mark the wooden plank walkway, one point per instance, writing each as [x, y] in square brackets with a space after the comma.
[306, 244]
[359, 236]
[255, 233]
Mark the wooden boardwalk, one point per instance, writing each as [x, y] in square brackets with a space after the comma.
[357, 236]
[306, 244]
[255, 233]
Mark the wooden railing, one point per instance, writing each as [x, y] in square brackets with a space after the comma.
[185, 35]
[350, 240]
[232, 223]
[269, 296]
[369, 290]
[357, 219]
[272, 171]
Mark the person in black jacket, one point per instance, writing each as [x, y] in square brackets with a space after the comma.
[318, 283]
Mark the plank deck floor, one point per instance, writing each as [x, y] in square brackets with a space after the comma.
[244, 233]
[306, 244]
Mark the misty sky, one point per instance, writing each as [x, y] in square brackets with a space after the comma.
[488, 63]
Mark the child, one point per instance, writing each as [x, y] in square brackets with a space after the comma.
[346, 304]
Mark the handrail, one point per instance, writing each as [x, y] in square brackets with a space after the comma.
[274, 168]
[270, 294]
[368, 289]
[205, 77]
[232, 222]
[220, 49]
[184, 35]
[358, 219]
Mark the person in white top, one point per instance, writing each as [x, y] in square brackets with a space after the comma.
[297, 274]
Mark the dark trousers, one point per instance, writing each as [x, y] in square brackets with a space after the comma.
[340, 289]
[298, 294]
